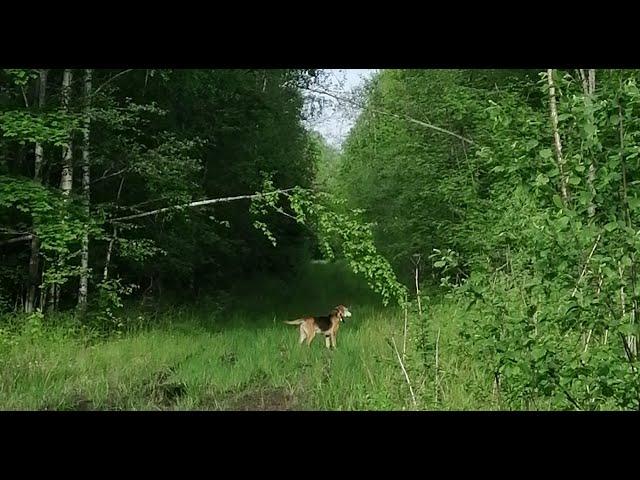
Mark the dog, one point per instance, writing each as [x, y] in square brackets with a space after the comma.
[327, 325]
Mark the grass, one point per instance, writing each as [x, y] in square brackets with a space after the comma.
[240, 356]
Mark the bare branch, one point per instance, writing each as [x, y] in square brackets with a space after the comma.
[391, 114]
[105, 177]
[11, 231]
[136, 206]
[24, 96]
[437, 382]
[23, 238]
[199, 203]
[586, 264]
[279, 210]
[406, 375]
[404, 336]
[95, 92]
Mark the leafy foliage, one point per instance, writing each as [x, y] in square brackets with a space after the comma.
[553, 281]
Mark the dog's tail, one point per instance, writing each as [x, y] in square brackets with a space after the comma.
[299, 321]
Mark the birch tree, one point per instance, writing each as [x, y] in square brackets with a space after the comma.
[86, 191]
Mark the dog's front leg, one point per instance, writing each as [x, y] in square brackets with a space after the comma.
[327, 341]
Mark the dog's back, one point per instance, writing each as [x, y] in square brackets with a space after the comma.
[323, 322]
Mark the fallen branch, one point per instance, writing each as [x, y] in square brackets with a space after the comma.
[199, 203]
[10, 231]
[22, 238]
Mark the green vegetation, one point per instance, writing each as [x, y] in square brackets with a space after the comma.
[157, 226]
[233, 353]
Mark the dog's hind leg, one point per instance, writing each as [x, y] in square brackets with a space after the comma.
[302, 335]
[310, 337]
[327, 341]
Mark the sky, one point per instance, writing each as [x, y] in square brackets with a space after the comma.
[335, 122]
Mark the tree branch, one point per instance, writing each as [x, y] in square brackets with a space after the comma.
[24, 96]
[199, 203]
[391, 114]
[10, 231]
[406, 375]
[586, 264]
[111, 80]
[23, 238]
[105, 177]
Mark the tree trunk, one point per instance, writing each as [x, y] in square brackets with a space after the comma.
[51, 297]
[42, 97]
[66, 182]
[34, 259]
[632, 340]
[107, 262]
[86, 180]
[112, 241]
[589, 87]
[583, 77]
[556, 136]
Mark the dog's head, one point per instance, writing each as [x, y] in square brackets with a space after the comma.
[343, 312]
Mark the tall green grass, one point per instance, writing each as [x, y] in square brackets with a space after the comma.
[239, 355]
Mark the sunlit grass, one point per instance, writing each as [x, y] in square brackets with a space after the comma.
[242, 357]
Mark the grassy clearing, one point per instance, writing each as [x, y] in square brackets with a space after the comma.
[241, 356]
[189, 361]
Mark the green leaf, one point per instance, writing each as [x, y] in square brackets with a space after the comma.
[538, 352]
[573, 180]
[563, 222]
[542, 179]
[628, 329]
[590, 129]
[634, 203]
[557, 201]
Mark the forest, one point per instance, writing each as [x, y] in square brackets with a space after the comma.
[159, 227]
